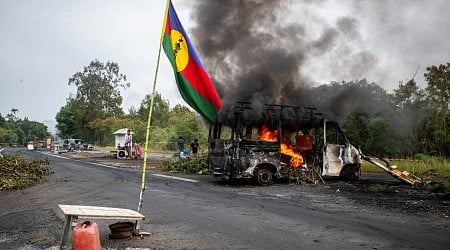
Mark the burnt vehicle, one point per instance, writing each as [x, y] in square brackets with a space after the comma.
[76, 144]
[289, 142]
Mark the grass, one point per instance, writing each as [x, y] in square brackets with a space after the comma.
[434, 171]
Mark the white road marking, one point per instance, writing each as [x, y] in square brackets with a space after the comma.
[174, 177]
[72, 159]
[107, 166]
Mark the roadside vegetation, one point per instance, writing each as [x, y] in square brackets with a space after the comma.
[189, 165]
[410, 122]
[15, 131]
[16, 172]
[434, 171]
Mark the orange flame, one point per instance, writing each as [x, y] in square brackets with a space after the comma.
[288, 149]
[285, 147]
[267, 135]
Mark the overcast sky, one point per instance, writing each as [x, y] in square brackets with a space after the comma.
[43, 43]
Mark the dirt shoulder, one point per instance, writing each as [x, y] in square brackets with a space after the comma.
[110, 158]
[385, 192]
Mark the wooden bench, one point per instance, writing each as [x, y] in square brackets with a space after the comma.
[92, 212]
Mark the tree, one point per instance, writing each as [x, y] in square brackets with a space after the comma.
[13, 115]
[410, 110]
[338, 100]
[105, 127]
[97, 97]
[38, 131]
[408, 96]
[438, 90]
[186, 123]
[160, 112]
[355, 128]
[2, 121]
[21, 130]
[7, 135]
[438, 78]
[31, 130]
[65, 121]
[381, 140]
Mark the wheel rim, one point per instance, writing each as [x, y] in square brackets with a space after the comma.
[349, 174]
[264, 177]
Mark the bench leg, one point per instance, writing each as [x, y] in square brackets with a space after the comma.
[66, 232]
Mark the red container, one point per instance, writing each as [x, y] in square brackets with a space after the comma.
[85, 236]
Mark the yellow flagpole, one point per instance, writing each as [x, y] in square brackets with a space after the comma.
[144, 166]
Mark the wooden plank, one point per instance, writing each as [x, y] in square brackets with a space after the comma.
[100, 212]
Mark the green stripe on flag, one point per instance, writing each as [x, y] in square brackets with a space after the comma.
[189, 94]
[195, 100]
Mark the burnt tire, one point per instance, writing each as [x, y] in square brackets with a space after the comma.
[350, 173]
[264, 176]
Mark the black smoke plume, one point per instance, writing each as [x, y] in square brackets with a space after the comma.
[255, 53]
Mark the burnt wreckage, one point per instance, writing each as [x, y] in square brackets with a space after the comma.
[290, 142]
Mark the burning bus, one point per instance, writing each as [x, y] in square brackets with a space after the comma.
[287, 142]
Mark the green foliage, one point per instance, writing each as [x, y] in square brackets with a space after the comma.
[182, 122]
[434, 171]
[186, 165]
[158, 139]
[17, 173]
[355, 128]
[35, 130]
[14, 129]
[20, 182]
[415, 121]
[7, 135]
[341, 99]
[438, 96]
[408, 96]
[438, 78]
[411, 120]
[97, 97]
[187, 124]
[380, 138]
[160, 112]
[104, 129]
[65, 121]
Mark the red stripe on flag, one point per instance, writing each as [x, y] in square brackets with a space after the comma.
[201, 82]
[168, 26]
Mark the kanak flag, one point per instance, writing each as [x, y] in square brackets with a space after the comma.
[193, 82]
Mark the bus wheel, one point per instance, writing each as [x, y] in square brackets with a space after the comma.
[264, 177]
[349, 174]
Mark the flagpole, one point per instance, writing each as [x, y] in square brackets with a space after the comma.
[144, 166]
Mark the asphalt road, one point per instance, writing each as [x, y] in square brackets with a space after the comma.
[203, 213]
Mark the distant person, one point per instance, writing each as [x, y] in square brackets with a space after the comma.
[181, 153]
[194, 147]
[180, 144]
[128, 142]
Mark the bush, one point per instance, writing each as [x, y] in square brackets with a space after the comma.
[17, 173]
[187, 165]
